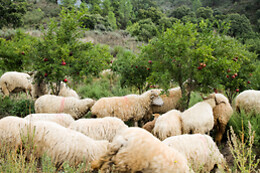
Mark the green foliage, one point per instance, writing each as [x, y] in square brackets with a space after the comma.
[112, 20]
[195, 52]
[125, 12]
[180, 12]
[106, 86]
[133, 72]
[240, 26]
[144, 30]
[205, 13]
[16, 107]
[153, 13]
[33, 18]
[255, 77]
[16, 54]
[196, 4]
[11, 12]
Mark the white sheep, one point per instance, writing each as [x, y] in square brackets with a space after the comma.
[136, 107]
[13, 82]
[59, 118]
[222, 113]
[99, 128]
[66, 91]
[248, 100]
[137, 150]
[170, 101]
[199, 118]
[64, 145]
[200, 150]
[168, 124]
[56, 104]
[11, 128]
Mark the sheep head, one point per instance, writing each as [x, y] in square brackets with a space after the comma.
[156, 99]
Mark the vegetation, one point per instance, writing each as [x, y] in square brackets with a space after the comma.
[202, 46]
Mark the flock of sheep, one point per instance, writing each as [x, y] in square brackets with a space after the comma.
[173, 142]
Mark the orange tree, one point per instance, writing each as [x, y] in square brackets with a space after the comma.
[196, 57]
[60, 55]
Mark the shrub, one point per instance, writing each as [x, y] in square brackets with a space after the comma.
[16, 107]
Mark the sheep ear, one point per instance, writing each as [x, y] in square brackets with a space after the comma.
[204, 98]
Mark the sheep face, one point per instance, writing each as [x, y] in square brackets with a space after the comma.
[156, 99]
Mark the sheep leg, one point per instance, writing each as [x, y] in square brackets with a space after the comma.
[136, 123]
[220, 132]
[5, 91]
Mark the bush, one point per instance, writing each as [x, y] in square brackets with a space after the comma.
[239, 122]
[16, 107]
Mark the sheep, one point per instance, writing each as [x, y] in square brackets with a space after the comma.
[14, 82]
[169, 101]
[136, 107]
[64, 145]
[150, 125]
[200, 150]
[40, 89]
[199, 118]
[100, 128]
[136, 150]
[60, 118]
[11, 131]
[66, 91]
[56, 104]
[248, 100]
[168, 124]
[222, 113]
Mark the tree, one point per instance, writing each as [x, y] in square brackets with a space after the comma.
[125, 12]
[190, 55]
[11, 12]
[196, 4]
[112, 20]
[60, 55]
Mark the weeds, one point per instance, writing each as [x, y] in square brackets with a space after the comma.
[242, 150]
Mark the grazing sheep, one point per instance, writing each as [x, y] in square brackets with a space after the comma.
[150, 125]
[57, 104]
[136, 150]
[11, 131]
[222, 113]
[200, 150]
[169, 101]
[168, 124]
[199, 118]
[136, 107]
[62, 144]
[39, 89]
[13, 82]
[59, 118]
[66, 91]
[248, 100]
[99, 128]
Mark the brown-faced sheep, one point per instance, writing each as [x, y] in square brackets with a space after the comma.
[222, 113]
[99, 128]
[248, 100]
[200, 150]
[13, 82]
[136, 150]
[59, 118]
[56, 104]
[150, 125]
[136, 107]
[168, 124]
[169, 101]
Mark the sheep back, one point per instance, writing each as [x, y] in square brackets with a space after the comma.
[99, 128]
[127, 107]
[200, 150]
[66, 91]
[168, 124]
[198, 118]
[248, 100]
[59, 118]
[62, 144]
[57, 104]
